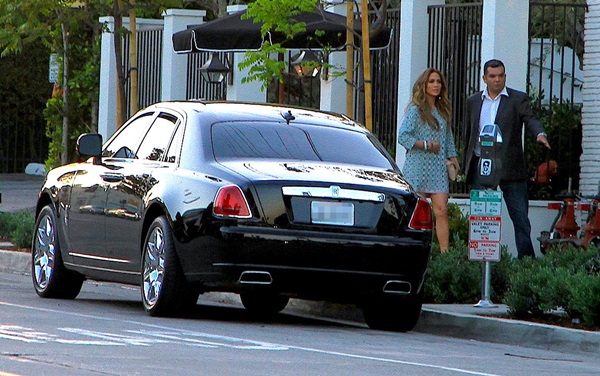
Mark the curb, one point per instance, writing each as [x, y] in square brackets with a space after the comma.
[509, 332]
[12, 261]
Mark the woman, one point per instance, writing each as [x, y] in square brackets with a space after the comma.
[427, 136]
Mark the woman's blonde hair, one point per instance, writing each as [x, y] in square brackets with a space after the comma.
[419, 99]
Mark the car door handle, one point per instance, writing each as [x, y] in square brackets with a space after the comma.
[112, 177]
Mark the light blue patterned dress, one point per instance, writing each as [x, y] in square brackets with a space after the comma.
[425, 170]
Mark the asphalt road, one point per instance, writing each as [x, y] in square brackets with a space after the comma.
[19, 191]
[106, 332]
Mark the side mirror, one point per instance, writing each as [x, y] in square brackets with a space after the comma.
[90, 145]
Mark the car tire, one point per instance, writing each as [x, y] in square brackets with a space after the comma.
[264, 304]
[165, 291]
[50, 277]
[393, 314]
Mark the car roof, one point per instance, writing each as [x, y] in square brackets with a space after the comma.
[244, 111]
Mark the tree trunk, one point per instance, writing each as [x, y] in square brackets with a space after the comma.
[118, 40]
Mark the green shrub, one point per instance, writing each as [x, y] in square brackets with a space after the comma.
[17, 227]
[563, 278]
[585, 298]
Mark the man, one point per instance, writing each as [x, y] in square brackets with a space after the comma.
[510, 110]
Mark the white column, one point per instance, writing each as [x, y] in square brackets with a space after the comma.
[414, 42]
[504, 36]
[333, 91]
[174, 65]
[250, 91]
[107, 115]
[590, 116]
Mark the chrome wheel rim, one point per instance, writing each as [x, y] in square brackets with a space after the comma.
[154, 266]
[44, 252]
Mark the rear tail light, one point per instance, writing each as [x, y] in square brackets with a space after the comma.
[422, 219]
[230, 202]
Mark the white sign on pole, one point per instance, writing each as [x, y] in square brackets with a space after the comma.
[485, 223]
[53, 69]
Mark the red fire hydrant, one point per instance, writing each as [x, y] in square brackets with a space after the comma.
[567, 226]
[591, 229]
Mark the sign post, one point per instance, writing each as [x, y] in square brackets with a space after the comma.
[485, 223]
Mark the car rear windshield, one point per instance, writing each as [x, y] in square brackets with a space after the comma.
[243, 141]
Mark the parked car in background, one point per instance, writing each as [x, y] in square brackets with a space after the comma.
[270, 202]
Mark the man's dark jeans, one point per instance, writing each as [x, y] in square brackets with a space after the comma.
[517, 203]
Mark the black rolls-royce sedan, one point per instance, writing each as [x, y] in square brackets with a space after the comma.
[270, 202]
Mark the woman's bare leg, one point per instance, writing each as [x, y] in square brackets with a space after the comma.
[439, 202]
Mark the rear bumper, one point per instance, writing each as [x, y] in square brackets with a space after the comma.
[310, 265]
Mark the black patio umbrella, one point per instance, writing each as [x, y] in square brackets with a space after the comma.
[232, 33]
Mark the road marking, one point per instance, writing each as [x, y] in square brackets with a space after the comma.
[165, 333]
[19, 333]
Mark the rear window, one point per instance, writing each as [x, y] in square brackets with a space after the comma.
[244, 141]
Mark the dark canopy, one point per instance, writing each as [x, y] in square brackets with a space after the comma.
[234, 34]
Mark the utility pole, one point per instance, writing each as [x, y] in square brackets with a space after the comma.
[350, 59]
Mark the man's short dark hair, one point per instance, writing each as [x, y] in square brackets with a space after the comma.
[494, 63]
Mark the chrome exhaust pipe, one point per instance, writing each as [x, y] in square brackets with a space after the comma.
[397, 287]
[255, 277]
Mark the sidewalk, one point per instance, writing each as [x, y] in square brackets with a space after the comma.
[19, 192]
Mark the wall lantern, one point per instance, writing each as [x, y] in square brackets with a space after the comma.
[306, 63]
[213, 71]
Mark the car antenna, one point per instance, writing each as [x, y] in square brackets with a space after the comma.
[288, 116]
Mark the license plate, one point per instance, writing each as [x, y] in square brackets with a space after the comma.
[332, 213]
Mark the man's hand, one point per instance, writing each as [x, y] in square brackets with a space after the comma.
[542, 139]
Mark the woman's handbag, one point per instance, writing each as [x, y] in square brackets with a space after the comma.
[452, 173]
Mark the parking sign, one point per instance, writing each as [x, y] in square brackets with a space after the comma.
[485, 224]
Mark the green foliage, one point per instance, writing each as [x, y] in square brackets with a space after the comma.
[563, 278]
[70, 28]
[277, 15]
[458, 223]
[452, 278]
[24, 89]
[17, 227]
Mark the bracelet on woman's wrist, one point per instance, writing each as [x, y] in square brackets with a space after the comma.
[424, 145]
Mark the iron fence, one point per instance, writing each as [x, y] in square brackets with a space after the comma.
[149, 67]
[555, 80]
[198, 87]
[384, 76]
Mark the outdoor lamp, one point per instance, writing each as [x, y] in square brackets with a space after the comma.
[214, 71]
[306, 64]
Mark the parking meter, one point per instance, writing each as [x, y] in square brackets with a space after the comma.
[490, 162]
